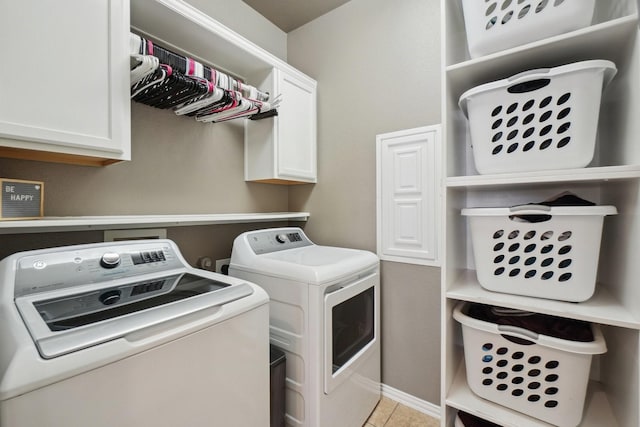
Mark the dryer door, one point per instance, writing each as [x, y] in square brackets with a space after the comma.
[351, 328]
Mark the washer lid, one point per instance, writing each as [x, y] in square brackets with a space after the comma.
[75, 297]
[61, 323]
[311, 264]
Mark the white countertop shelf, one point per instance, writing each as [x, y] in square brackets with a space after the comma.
[594, 174]
[598, 412]
[602, 308]
[83, 223]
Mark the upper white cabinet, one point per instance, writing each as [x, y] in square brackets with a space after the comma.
[408, 195]
[612, 178]
[283, 149]
[64, 85]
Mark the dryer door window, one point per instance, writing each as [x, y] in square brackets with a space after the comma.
[351, 328]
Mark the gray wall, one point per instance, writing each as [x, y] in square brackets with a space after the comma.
[178, 166]
[244, 20]
[377, 64]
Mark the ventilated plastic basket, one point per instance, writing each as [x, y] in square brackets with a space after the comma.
[541, 376]
[495, 25]
[537, 120]
[537, 250]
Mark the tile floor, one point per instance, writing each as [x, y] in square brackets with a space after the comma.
[390, 413]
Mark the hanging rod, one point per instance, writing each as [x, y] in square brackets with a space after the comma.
[164, 79]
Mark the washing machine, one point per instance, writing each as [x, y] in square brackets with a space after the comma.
[128, 334]
[325, 316]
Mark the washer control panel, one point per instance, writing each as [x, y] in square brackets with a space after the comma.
[84, 264]
[110, 260]
[277, 239]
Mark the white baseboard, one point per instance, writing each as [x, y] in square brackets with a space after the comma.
[411, 401]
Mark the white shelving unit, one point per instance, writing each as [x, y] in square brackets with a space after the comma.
[277, 150]
[81, 223]
[613, 178]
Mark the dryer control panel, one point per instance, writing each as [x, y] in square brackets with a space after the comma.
[277, 239]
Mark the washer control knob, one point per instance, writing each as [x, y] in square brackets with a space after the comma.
[281, 238]
[110, 260]
[110, 297]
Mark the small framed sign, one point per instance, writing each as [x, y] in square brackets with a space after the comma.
[21, 199]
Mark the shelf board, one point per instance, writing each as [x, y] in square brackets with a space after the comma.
[602, 308]
[593, 42]
[83, 223]
[598, 412]
[604, 173]
[206, 39]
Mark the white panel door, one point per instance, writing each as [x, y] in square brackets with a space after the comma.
[65, 74]
[408, 177]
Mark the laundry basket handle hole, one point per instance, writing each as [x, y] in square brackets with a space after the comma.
[529, 86]
[530, 213]
[536, 209]
[538, 72]
[530, 218]
[517, 335]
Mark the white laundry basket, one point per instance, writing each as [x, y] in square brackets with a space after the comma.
[542, 376]
[537, 250]
[537, 120]
[495, 25]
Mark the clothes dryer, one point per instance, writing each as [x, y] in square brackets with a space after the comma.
[325, 315]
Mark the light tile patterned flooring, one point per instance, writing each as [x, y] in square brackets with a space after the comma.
[390, 413]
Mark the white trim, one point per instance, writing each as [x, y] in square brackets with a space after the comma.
[411, 401]
[118, 222]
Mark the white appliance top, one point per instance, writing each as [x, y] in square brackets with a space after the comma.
[288, 253]
[76, 297]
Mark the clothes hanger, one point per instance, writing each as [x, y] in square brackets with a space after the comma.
[151, 80]
[175, 90]
[196, 104]
[245, 108]
[163, 79]
[146, 65]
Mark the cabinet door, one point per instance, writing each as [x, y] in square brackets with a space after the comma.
[296, 128]
[64, 79]
[408, 182]
[282, 150]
